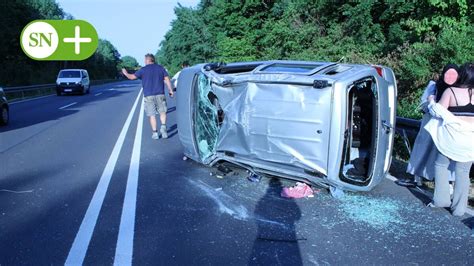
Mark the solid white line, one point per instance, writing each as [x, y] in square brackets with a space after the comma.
[80, 245]
[29, 100]
[124, 249]
[98, 94]
[66, 106]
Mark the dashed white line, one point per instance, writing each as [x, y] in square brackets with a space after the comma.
[81, 242]
[69, 105]
[97, 94]
[124, 249]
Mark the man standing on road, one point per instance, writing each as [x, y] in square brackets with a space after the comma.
[152, 76]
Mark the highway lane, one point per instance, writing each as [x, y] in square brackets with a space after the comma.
[59, 155]
[183, 215]
[32, 116]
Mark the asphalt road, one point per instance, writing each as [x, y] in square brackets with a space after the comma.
[81, 181]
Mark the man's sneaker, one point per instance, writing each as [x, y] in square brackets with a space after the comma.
[155, 135]
[163, 132]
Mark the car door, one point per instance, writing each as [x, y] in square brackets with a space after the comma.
[281, 122]
[368, 137]
[387, 90]
[85, 79]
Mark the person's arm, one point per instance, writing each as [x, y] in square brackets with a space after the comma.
[437, 109]
[129, 76]
[445, 98]
[168, 84]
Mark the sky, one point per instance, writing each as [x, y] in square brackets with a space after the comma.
[134, 27]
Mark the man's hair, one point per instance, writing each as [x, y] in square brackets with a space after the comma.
[151, 57]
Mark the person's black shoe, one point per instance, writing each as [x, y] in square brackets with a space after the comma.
[406, 183]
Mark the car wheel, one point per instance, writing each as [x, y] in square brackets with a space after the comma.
[5, 116]
[58, 93]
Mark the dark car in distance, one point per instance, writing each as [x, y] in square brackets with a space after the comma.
[4, 109]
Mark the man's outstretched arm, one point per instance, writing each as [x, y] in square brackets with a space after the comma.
[129, 76]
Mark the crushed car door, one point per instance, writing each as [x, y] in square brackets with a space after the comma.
[281, 122]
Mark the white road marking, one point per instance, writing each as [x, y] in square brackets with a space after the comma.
[111, 89]
[97, 94]
[28, 100]
[69, 105]
[124, 249]
[80, 245]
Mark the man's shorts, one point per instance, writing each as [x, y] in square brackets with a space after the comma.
[155, 104]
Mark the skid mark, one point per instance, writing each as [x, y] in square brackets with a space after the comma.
[228, 205]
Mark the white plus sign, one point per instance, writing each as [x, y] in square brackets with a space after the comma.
[77, 40]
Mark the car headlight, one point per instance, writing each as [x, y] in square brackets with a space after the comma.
[1, 89]
[79, 82]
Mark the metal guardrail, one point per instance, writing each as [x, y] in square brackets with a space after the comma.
[19, 92]
[407, 128]
[28, 88]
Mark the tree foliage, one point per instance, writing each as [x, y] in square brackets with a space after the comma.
[129, 63]
[19, 69]
[415, 38]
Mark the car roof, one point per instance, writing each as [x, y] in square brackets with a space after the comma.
[321, 68]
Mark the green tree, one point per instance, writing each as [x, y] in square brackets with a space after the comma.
[18, 69]
[104, 64]
[129, 63]
[415, 38]
[190, 40]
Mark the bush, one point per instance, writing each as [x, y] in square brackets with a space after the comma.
[409, 106]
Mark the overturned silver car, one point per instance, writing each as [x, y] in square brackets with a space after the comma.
[326, 123]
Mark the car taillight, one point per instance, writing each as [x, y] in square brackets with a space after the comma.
[379, 70]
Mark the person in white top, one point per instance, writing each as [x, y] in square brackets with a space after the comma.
[452, 131]
[174, 80]
[424, 152]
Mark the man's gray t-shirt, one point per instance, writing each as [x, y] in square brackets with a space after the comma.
[152, 77]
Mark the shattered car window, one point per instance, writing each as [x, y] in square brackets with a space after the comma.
[206, 117]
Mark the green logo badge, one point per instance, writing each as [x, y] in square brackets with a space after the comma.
[70, 40]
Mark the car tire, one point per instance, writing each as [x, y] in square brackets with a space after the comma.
[58, 93]
[4, 116]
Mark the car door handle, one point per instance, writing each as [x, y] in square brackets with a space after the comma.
[386, 125]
